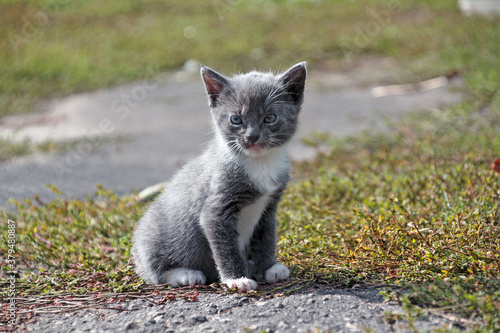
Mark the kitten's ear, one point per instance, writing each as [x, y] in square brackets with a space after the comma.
[214, 84]
[294, 81]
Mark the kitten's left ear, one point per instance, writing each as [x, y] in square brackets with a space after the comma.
[214, 84]
[294, 81]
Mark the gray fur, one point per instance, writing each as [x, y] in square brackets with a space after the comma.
[194, 223]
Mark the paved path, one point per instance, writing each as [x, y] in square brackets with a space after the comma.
[137, 135]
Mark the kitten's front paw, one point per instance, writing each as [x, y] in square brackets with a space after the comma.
[185, 277]
[276, 273]
[243, 284]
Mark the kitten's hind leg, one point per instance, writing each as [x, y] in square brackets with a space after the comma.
[184, 277]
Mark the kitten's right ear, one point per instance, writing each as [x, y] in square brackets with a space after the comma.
[214, 84]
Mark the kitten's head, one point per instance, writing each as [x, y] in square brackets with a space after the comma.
[255, 112]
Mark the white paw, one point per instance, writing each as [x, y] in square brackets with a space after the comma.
[243, 284]
[276, 273]
[185, 277]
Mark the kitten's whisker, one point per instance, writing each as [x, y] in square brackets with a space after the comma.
[234, 147]
[209, 133]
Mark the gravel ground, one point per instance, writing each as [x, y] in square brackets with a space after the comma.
[317, 308]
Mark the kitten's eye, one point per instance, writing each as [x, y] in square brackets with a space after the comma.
[236, 120]
[270, 118]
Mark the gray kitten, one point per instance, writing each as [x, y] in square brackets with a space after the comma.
[216, 219]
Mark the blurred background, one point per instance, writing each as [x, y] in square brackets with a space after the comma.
[54, 48]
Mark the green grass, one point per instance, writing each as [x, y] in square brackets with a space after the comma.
[417, 207]
[10, 149]
[50, 49]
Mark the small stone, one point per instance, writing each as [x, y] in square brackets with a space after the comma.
[259, 328]
[157, 315]
[132, 325]
[224, 320]
[177, 321]
[134, 307]
[243, 301]
[457, 325]
[212, 308]
[326, 298]
[195, 320]
[310, 301]
[280, 305]
[352, 327]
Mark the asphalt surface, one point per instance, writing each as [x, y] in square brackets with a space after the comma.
[133, 136]
[319, 309]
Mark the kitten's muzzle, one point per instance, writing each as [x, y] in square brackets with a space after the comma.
[252, 136]
[251, 139]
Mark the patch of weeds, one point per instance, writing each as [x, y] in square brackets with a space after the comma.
[73, 234]
[417, 207]
[472, 303]
[69, 246]
[10, 149]
[471, 297]
[84, 144]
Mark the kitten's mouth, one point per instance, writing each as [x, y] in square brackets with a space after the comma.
[254, 148]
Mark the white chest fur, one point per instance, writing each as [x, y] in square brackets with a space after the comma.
[264, 170]
[248, 219]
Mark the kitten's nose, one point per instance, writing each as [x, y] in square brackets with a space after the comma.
[252, 137]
